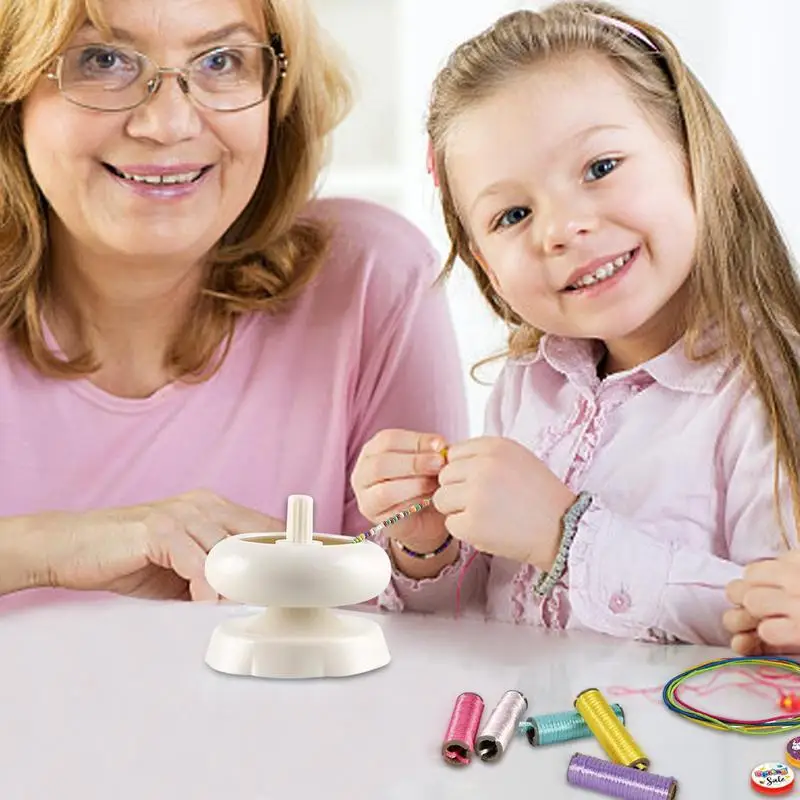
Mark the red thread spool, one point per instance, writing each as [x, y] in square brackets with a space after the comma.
[459, 741]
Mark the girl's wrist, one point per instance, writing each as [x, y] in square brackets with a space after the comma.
[549, 540]
[425, 554]
[421, 568]
[554, 570]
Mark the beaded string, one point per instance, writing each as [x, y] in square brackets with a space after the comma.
[393, 520]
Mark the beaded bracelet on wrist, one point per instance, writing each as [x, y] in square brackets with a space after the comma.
[414, 554]
[569, 528]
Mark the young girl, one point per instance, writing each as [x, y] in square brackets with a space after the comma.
[628, 468]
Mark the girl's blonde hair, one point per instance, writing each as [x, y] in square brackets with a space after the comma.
[266, 256]
[743, 284]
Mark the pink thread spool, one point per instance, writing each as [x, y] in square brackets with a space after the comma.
[459, 741]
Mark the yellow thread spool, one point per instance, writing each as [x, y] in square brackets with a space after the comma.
[612, 735]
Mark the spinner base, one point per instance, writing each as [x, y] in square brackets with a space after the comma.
[298, 643]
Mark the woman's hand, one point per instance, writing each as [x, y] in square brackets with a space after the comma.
[155, 550]
[499, 497]
[766, 614]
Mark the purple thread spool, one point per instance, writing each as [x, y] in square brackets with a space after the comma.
[616, 780]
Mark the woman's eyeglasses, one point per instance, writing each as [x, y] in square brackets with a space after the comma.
[108, 77]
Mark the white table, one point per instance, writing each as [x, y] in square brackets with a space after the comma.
[106, 697]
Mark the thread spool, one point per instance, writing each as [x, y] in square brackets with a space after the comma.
[793, 752]
[459, 740]
[772, 777]
[496, 735]
[612, 735]
[617, 780]
[564, 726]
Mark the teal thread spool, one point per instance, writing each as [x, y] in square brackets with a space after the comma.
[564, 726]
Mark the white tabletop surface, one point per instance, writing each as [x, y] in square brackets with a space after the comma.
[110, 698]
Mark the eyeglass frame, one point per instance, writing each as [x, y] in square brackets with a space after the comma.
[275, 45]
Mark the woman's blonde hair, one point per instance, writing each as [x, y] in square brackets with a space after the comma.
[743, 283]
[266, 256]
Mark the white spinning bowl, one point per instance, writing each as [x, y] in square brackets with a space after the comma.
[269, 570]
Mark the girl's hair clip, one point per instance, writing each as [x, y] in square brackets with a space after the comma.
[432, 164]
[626, 28]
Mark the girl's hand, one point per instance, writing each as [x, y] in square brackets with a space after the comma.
[766, 614]
[395, 470]
[740, 623]
[499, 497]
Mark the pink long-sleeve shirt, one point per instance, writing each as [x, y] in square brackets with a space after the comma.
[368, 345]
[680, 460]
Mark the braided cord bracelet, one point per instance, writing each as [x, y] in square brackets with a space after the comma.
[569, 528]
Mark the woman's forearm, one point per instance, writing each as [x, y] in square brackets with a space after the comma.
[23, 557]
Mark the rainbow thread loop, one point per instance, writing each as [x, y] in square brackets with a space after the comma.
[779, 724]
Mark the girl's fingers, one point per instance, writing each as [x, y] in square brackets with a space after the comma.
[747, 644]
[767, 601]
[735, 591]
[393, 466]
[402, 441]
[451, 499]
[782, 573]
[739, 620]
[780, 632]
[385, 499]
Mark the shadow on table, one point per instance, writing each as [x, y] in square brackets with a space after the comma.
[32, 600]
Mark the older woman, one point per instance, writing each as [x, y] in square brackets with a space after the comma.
[186, 337]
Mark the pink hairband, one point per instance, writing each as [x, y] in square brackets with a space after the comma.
[613, 21]
[625, 28]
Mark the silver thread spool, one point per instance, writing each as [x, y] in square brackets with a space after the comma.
[501, 726]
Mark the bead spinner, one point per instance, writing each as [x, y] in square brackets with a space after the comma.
[297, 578]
